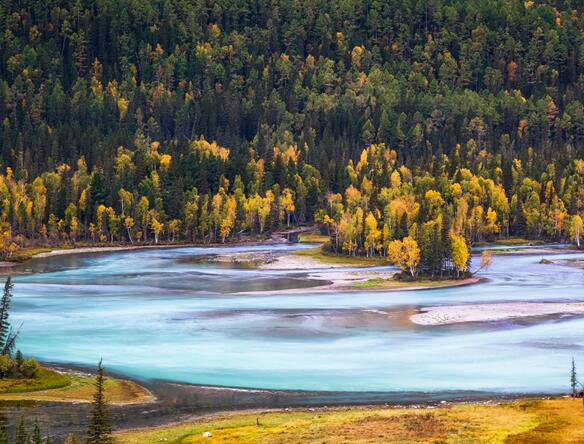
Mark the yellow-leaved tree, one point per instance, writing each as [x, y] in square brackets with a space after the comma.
[372, 234]
[228, 220]
[156, 226]
[459, 253]
[411, 255]
[287, 204]
[406, 254]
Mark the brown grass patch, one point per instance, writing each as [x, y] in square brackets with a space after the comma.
[408, 427]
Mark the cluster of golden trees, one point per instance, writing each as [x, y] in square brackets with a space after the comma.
[69, 204]
[431, 220]
[101, 108]
[424, 218]
[407, 254]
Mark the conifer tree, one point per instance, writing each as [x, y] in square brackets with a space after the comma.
[99, 430]
[21, 435]
[7, 336]
[19, 358]
[573, 379]
[3, 436]
[36, 434]
[4, 311]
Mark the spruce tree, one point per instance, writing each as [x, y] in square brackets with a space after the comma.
[4, 311]
[36, 434]
[573, 379]
[21, 435]
[3, 436]
[19, 358]
[99, 430]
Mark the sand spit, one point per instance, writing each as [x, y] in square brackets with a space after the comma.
[456, 314]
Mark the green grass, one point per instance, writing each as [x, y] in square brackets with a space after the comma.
[313, 238]
[50, 385]
[532, 421]
[373, 283]
[513, 241]
[26, 253]
[393, 283]
[318, 254]
[44, 380]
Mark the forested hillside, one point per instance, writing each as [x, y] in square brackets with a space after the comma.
[144, 120]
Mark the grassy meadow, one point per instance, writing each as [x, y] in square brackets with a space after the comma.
[519, 422]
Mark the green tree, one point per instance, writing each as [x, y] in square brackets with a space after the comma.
[21, 433]
[19, 358]
[7, 336]
[4, 310]
[36, 434]
[3, 436]
[573, 379]
[99, 430]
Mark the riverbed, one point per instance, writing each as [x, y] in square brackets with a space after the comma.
[162, 314]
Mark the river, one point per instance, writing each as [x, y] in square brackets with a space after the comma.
[165, 314]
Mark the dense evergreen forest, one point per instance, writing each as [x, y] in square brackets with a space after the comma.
[445, 122]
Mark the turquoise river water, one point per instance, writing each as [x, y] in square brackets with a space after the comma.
[165, 314]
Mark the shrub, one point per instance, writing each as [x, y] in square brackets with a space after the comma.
[43, 380]
[7, 365]
[19, 358]
[29, 368]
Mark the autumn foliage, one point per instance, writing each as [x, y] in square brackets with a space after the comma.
[150, 121]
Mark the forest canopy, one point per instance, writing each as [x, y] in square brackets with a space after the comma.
[144, 120]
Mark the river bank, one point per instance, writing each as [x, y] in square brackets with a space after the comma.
[575, 263]
[518, 421]
[537, 250]
[335, 340]
[68, 385]
[179, 405]
[329, 273]
[46, 252]
[310, 257]
[457, 314]
[348, 281]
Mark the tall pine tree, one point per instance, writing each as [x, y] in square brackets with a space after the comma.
[7, 336]
[573, 379]
[36, 434]
[21, 434]
[4, 310]
[99, 430]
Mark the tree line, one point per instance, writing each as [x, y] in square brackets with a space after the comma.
[443, 121]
